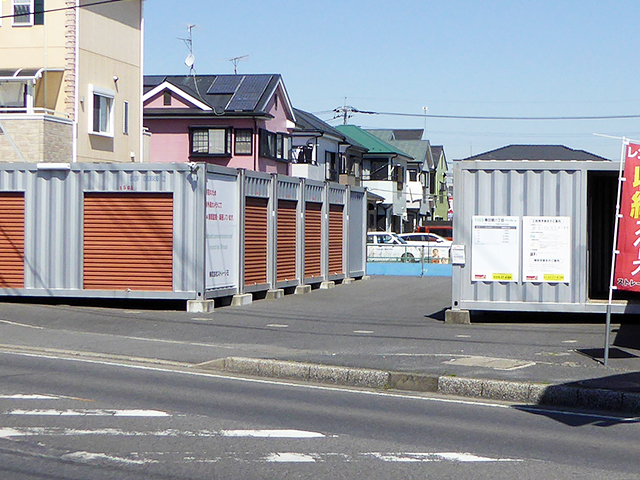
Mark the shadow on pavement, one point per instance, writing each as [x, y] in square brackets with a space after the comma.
[573, 419]
[616, 397]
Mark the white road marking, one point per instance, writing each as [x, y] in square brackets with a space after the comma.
[20, 396]
[115, 432]
[22, 325]
[463, 336]
[290, 458]
[569, 341]
[436, 457]
[277, 325]
[490, 362]
[88, 457]
[363, 331]
[271, 433]
[424, 398]
[154, 340]
[88, 413]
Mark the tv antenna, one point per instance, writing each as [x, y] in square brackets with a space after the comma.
[235, 61]
[191, 59]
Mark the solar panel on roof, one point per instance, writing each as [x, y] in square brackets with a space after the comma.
[224, 85]
[249, 92]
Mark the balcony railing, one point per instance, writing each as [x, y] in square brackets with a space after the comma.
[32, 111]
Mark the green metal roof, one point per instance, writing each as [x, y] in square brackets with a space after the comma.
[373, 143]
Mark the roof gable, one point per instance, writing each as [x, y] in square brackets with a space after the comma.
[233, 94]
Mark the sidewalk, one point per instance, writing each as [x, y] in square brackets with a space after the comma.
[386, 332]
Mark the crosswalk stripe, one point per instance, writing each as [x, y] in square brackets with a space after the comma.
[88, 412]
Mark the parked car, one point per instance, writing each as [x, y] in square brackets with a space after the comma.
[436, 248]
[387, 246]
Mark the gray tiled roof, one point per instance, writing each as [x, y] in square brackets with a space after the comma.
[308, 122]
[536, 152]
[223, 93]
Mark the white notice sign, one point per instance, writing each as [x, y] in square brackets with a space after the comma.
[546, 249]
[221, 231]
[495, 253]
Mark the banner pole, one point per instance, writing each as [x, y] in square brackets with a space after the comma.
[614, 252]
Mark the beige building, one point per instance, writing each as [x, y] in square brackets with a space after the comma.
[70, 81]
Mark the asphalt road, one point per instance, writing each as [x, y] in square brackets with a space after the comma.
[393, 323]
[88, 419]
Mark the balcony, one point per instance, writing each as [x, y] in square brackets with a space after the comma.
[31, 130]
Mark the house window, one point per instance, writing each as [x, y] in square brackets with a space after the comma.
[166, 98]
[413, 174]
[28, 12]
[304, 154]
[274, 145]
[125, 118]
[379, 170]
[101, 111]
[211, 141]
[330, 166]
[243, 141]
[267, 144]
[12, 95]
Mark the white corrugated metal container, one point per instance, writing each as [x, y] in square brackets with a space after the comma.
[163, 231]
[583, 191]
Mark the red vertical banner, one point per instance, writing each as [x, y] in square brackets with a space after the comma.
[627, 271]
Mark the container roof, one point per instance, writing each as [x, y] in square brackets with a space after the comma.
[537, 152]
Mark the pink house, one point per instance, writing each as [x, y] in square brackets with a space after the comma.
[238, 121]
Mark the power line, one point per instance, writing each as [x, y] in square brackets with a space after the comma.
[62, 9]
[340, 112]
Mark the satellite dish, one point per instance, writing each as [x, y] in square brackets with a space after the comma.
[189, 61]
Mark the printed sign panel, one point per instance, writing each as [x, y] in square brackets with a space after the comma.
[495, 254]
[627, 271]
[221, 231]
[546, 249]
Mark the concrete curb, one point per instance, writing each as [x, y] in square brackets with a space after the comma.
[522, 392]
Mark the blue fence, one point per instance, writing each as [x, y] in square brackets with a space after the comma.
[409, 269]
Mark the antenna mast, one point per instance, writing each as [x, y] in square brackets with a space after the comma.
[235, 61]
[190, 60]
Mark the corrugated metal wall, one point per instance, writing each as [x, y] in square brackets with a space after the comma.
[523, 189]
[69, 246]
[356, 256]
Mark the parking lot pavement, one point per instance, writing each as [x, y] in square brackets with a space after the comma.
[384, 323]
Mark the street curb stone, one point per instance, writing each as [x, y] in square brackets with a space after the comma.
[503, 390]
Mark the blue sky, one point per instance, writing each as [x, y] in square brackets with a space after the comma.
[470, 58]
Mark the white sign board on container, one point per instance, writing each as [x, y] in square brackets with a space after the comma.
[546, 249]
[221, 231]
[495, 253]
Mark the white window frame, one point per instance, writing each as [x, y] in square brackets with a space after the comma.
[125, 117]
[14, 3]
[109, 96]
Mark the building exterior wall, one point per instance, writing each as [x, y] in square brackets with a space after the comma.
[35, 46]
[170, 136]
[111, 60]
[79, 47]
[54, 139]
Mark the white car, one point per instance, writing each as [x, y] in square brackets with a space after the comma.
[436, 248]
[387, 246]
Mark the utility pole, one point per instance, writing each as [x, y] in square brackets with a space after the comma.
[346, 112]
